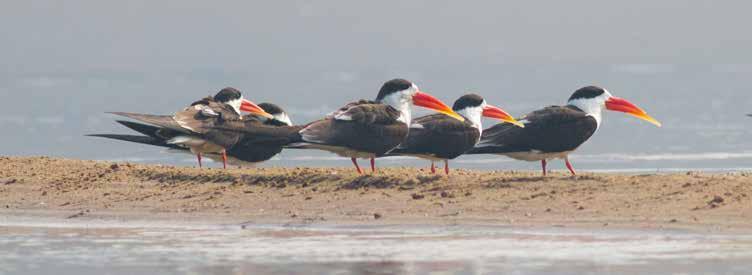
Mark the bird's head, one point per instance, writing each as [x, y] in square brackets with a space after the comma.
[400, 93]
[280, 117]
[592, 99]
[234, 98]
[473, 106]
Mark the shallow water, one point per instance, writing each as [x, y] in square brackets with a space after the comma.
[32, 246]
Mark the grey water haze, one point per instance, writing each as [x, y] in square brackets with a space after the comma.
[687, 63]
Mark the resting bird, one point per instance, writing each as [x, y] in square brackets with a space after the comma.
[190, 128]
[362, 129]
[555, 131]
[438, 137]
[244, 150]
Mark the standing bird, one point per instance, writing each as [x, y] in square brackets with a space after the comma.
[555, 131]
[368, 129]
[188, 128]
[244, 150]
[438, 137]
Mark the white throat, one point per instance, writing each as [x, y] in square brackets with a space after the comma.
[474, 115]
[401, 102]
[284, 118]
[235, 104]
[592, 106]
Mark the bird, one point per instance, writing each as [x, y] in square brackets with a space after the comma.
[360, 129]
[556, 131]
[190, 128]
[244, 150]
[438, 137]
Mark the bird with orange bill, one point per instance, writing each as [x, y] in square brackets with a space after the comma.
[438, 137]
[193, 127]
[369, 129]
[556, 131]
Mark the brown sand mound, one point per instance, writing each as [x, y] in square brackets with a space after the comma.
[76, 188]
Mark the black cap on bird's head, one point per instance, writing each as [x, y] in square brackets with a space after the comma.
[392, 86]
[234, 98]
[591, 99]
[279, 116]
[468, 100]
[400, 92]
[271, 108]
[473, 105]
[228, 94]
[587, 93]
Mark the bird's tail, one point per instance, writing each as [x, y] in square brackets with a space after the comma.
[162, 121]
[255, 133]
[144, 129]
[138, 139]
[152, 135]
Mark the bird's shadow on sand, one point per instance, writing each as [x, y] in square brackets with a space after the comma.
[383, 182]
[508, 182]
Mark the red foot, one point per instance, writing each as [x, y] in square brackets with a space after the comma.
[373, 165]
[433, 168]
[355, 162]
[199, 160]
[543, 165]
[224, 159]
[569, 166]
[446, 167]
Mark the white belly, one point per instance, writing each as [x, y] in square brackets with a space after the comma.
[340, 151]
[431, 158]
[536, 155]
[196, 145]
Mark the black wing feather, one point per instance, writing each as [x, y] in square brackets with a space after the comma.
[552, 129]
[364, 126]
[439, 135]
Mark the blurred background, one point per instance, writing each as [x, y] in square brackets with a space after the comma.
[688, 63]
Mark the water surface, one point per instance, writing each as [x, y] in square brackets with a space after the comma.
[33, 246]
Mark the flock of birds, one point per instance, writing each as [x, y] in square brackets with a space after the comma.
[370, 129]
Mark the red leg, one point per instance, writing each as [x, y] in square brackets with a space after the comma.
[543, 165]
[355, 162]
[569, 166]
[224, 159]
[446, 167]
[373, 165]
[199, 160]
[433, 168]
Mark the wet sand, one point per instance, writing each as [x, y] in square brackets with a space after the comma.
[77, 189]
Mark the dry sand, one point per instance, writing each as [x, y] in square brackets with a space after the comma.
[42, 186]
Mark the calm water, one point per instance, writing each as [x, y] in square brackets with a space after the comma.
[702, 108]
[33, 246]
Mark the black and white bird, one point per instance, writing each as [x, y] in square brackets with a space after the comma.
[191, 127]
[554, 132]
[366, 128]
[438, 137]
[246, 150]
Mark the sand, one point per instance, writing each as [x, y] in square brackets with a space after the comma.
[79, 189]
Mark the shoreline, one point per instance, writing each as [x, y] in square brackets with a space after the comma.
[79, 189]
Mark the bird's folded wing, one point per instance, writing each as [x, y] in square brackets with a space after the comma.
[552, 128]
[366, 112]
[157, 120]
